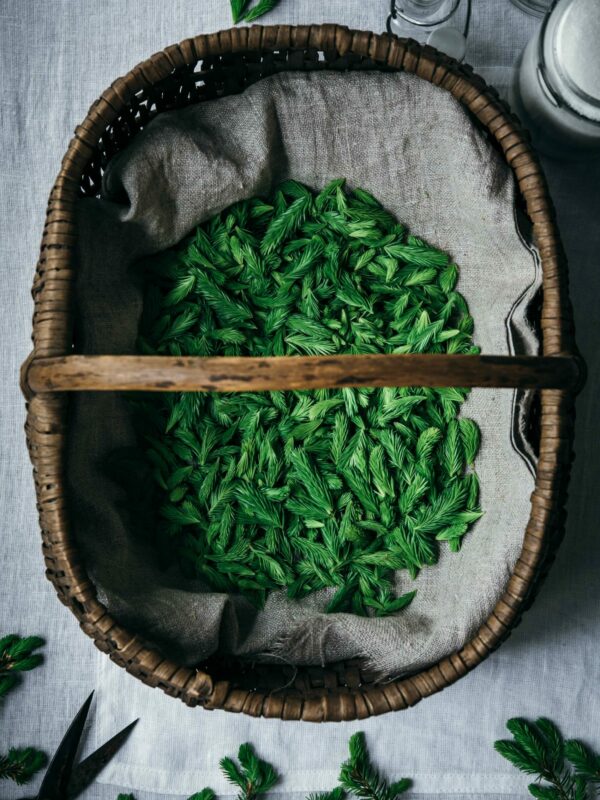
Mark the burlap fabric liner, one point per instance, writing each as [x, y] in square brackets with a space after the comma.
[413, 146]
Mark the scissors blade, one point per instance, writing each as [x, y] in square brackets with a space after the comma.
[85, 772]
[54, 785]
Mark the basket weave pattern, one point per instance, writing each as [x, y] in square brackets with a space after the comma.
[207, 67]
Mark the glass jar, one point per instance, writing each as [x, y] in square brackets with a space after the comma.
[431, 21]
[557, 90]
[425, 12]
[536, 7]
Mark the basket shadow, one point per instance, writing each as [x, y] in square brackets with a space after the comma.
[569, 599]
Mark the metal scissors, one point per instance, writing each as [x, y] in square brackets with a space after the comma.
[62, 780]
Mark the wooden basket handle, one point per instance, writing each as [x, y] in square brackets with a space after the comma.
[243, 374]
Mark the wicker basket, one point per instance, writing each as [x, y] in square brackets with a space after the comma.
[211, 66]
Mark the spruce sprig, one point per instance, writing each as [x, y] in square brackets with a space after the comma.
[261, 8]
[16, 656]
[238, 8]
[359, 777]
[20, 765]
[251, 775]
[335, 794]
[240, 12]
[309, 490]
[564, 770]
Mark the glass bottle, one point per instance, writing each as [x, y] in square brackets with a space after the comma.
[536, 7]
[425, 12]
[432, 21]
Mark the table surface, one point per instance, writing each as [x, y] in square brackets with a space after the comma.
[56, 57]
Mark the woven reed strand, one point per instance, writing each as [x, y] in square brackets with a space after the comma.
[205, 67]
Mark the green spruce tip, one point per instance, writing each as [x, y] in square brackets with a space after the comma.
[252, 775]
[238, 8]
[7, 682]
[307, 490]
[16, 653]
[585, 762]
[335, 794]
[17, 656]
[21, 764]
[205, 794]
[261, 8]
[568, 769]
[359, 777]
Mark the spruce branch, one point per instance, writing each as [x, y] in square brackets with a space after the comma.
[252, 776]
[20, 765]
[7, 682]
[16, 655]
[335, 794]
[360, 778]
[569, 769]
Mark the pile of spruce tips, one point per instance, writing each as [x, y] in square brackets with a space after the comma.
[303, 490]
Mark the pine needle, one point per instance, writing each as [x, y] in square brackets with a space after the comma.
[237, 9]
[261, 8]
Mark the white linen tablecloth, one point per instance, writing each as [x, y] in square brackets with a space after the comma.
[56, 56]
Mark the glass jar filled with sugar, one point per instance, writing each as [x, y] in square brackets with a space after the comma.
[557, 88]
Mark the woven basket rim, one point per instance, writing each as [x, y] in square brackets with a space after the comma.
[336, 692]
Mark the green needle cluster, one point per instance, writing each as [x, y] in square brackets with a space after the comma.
[303, 490]
[360, 778]
[564, 770]
[21, 764]
[17, 656]
[251, 775]
[241, 13]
